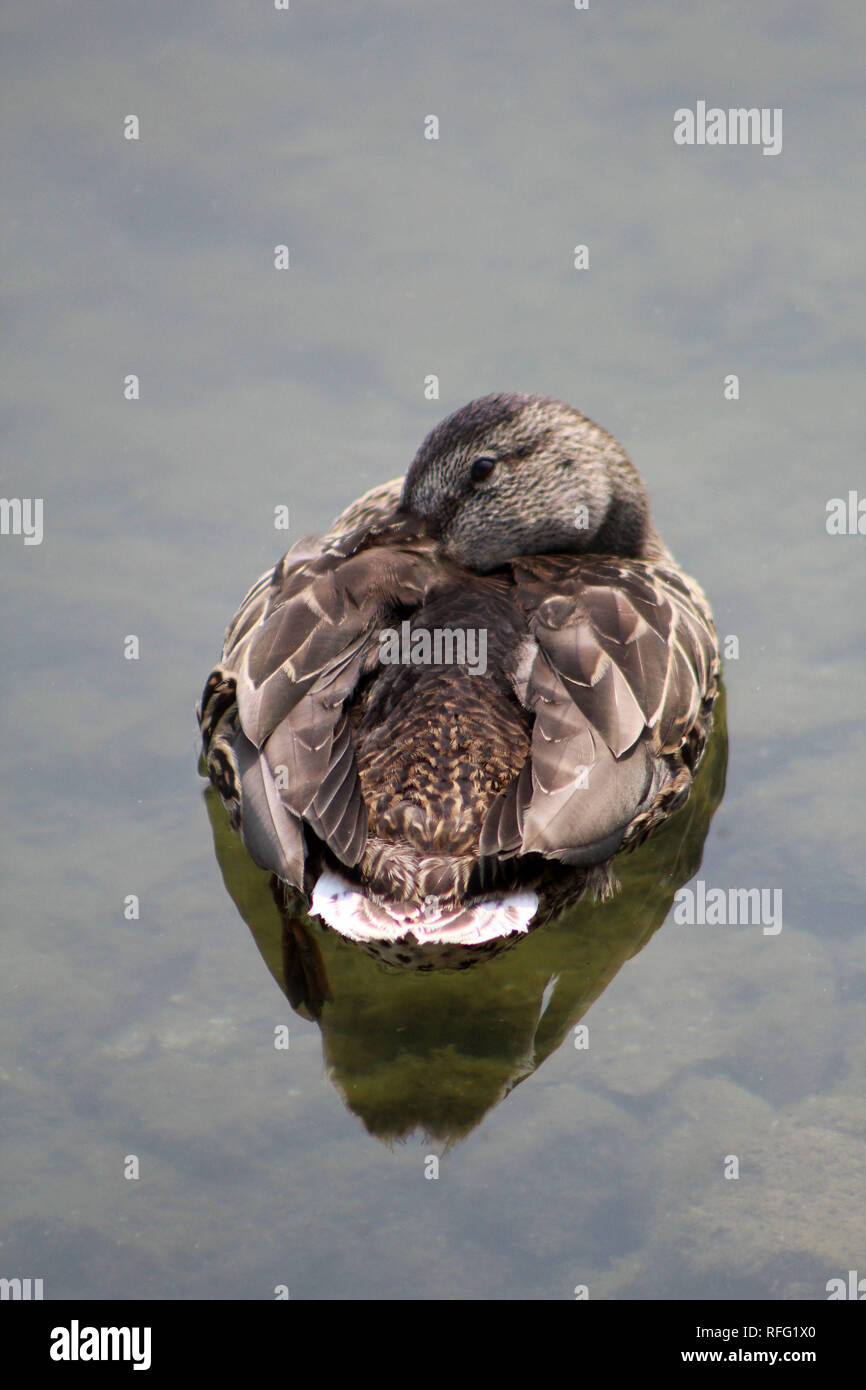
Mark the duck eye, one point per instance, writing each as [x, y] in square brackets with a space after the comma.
[481, 468]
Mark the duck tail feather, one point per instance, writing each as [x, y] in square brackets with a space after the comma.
[351, 913]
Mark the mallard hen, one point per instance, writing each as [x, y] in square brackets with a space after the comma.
[487, 667]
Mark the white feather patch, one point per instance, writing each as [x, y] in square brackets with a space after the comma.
[345, 908]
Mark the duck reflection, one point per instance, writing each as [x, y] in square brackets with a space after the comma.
[433, 1042]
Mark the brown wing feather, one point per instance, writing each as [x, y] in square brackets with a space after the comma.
[294, 654]
[625, 659]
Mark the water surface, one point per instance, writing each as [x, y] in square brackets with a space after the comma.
[604, 1166]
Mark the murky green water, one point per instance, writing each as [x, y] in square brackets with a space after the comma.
[600, 1164]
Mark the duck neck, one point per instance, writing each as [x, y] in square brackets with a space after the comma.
[627, 529]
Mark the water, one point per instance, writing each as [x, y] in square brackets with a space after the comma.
[559, 1165]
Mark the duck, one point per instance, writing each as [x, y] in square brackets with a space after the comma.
[489, 672]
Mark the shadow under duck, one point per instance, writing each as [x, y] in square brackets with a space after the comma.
[430, 799]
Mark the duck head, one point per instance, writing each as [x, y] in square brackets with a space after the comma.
[512, 475]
